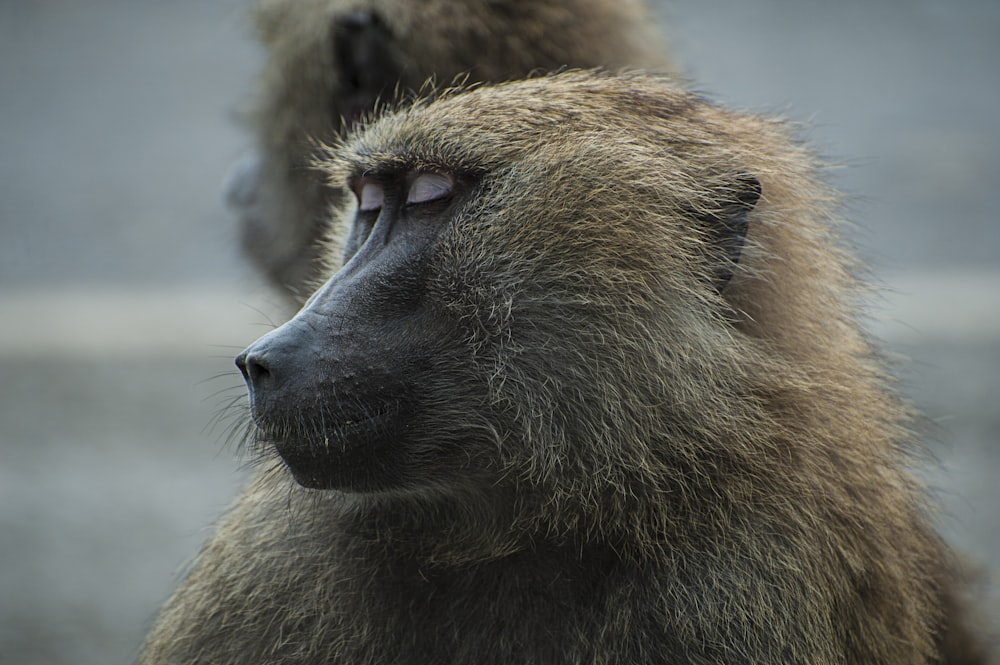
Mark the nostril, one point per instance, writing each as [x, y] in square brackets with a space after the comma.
[241, 363]
[254, 369]
[258, 372]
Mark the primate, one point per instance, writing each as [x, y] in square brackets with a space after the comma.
[330, 61]
[589, 387]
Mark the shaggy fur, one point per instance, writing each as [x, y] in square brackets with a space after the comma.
[637, 467]
[302, 98]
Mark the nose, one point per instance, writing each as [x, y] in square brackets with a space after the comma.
[276, 368]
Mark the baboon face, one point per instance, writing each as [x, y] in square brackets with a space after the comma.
[346, 389]
[502, 248]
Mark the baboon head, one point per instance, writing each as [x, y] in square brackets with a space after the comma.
[534, 295]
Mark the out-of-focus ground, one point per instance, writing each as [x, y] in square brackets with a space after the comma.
[122, 295]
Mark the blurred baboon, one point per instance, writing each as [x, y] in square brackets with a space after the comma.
[589, 388]
[329, 61]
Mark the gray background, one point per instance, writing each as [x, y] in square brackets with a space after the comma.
[123, 299]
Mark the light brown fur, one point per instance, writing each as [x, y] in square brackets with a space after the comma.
[646, 469]
[302, 100]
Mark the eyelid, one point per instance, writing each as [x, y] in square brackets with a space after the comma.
[430, 186]
[371, 196]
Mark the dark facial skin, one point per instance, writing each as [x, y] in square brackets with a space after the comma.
[338, 389]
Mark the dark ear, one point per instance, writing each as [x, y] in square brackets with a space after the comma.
[367, 61]
[728, 228]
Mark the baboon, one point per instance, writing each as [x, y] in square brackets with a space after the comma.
[589, 387]
[329, 62]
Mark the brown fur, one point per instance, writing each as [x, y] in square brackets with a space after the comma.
[302, 100]
[648, 470]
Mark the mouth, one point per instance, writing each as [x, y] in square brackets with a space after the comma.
[344, 452]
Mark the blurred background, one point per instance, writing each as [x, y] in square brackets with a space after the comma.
[123, 297]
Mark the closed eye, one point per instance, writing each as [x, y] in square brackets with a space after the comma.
[429, 186]
[371, 197]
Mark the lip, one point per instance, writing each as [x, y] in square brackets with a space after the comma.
[384, 413]
[334, 432]
[339, 455]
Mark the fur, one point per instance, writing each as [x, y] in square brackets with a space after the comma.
[653, 470]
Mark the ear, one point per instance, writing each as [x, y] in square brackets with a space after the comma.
[728, 228]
